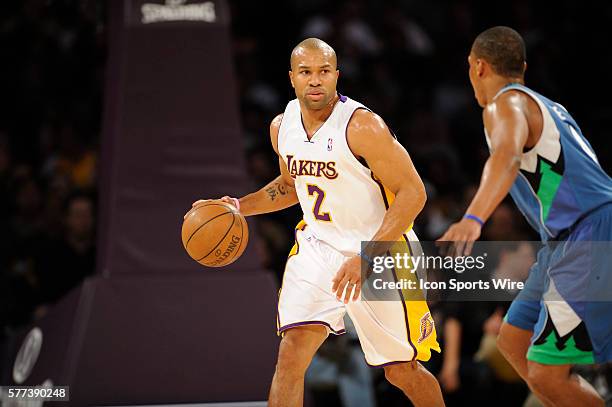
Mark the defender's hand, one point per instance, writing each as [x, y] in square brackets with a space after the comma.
[462, 235]
[349, 277]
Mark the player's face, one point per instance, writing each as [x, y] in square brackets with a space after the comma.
[475, 79]
[314, 77]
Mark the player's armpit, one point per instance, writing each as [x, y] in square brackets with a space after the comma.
[286, 184]
[287, 179]
[274, 128]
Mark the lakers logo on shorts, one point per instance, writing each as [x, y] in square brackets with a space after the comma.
[427, 327]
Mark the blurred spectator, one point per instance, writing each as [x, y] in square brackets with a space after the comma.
[339, 372]
[52, 78]
[472, 370]
[74, 160]
[65, 262]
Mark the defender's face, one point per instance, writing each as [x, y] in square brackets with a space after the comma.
[314, 77]
[476, 79]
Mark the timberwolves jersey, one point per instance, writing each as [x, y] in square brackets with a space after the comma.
[342, 201]
[560, 180]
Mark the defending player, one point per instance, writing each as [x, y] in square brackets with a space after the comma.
[539, 155]
[355, 183]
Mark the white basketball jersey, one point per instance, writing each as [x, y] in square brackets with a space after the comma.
[343, 203]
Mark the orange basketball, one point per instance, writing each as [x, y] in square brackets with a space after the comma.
[214, 233]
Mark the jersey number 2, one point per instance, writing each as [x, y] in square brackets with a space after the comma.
[320, 197]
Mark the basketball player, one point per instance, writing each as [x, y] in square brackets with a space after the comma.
[540, 156]
[355, 183]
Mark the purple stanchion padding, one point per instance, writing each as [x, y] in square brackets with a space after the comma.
[171, 132]
[131, 340]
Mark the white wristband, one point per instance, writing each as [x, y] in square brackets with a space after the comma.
[236, 202]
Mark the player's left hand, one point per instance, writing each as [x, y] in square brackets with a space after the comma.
[349, 277]
[462, 234]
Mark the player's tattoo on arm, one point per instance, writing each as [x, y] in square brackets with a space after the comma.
[271, 191]
[274, 191]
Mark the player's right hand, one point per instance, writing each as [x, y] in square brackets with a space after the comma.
[193, 205]
[227, 199]
[199, 201]
[232, 201]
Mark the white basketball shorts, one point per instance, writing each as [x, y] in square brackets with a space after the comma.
[389, 331]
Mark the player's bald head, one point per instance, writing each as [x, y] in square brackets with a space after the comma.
[503, 48]
[313, 44]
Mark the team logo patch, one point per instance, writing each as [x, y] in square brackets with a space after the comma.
[330, 144]
[427, 327]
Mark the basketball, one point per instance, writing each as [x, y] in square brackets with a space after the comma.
[214, 233]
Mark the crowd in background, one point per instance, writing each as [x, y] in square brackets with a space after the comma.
[52, 77]
[405, 59]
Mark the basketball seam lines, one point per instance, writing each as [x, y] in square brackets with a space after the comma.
[217, 245]
[241, 235]
[203, 224]
[203, 206]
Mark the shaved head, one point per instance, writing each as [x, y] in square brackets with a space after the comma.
[314, 73]
[313, 44]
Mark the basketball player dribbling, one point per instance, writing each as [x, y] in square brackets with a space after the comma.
[355, 183]
[538, 154]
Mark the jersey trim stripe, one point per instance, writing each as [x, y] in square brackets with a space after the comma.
[393, 362]
[388, 198]
[382, 190]
[414, 349]
[282, 329]
[296, 246]
[404, 303]
[346, 135]
[309, 139]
